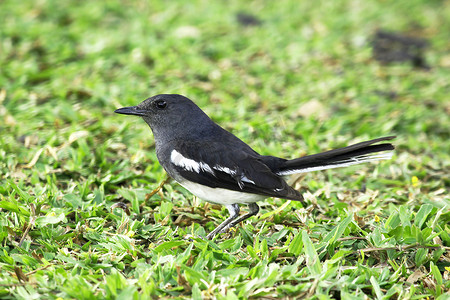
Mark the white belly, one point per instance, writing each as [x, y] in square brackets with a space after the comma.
[220, 196]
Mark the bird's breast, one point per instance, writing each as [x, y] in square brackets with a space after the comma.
[220, 196]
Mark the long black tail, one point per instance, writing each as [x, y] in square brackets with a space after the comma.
[342, 157]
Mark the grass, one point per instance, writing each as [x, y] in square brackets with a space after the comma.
[301, 80]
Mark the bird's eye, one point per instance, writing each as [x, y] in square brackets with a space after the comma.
[160, 104]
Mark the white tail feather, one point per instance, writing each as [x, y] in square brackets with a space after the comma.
[343, 163]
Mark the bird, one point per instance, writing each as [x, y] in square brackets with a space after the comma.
[218, 167]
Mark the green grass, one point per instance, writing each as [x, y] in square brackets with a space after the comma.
[303, 81]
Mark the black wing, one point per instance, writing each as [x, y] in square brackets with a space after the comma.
[235, 169]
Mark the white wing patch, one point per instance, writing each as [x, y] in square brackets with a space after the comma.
[246, 179]
[225, 169]
[344, 163]
[195, 166]
[189, 164]
[233, 174]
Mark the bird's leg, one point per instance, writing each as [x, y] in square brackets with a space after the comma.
[254, 209]
[234, 213]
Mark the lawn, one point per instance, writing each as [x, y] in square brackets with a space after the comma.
[288, 77]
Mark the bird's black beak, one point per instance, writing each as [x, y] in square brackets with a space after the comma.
[131, 110]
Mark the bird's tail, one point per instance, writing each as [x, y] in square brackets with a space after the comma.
[342, 157]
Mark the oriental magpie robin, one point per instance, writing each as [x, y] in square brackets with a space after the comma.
[218, 167]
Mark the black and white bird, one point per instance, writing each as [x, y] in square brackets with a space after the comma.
[216, 166]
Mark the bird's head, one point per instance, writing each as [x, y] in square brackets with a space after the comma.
[169, 115]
